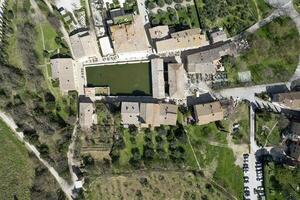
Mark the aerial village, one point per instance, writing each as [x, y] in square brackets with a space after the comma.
[177, 64]
[129, 70]
[181, 64]
[151, 71]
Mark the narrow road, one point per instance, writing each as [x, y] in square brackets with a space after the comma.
[270, 132]
[253, 183]
[66, 188]
[70, 154]
[246, 93]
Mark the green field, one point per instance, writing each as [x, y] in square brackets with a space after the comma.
[126, 79]
[16, 171]
[269, 127]
[273, 55]
[216, 157]
[153, 185]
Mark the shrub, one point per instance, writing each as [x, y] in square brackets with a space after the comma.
[151, 5]
[155, 21]
[169, 2]
[178, 6]
[160, 3]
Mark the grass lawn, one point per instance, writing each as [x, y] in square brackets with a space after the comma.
[49, 34]
[227, 173]
[123, 19]
[264, 9]
[12, 49]
[16, 171]
[126, 79]
[215, 157]
[268, 128]
[166, 184]
[273, 55]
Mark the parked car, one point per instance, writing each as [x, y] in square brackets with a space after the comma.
[258, 166]
[246, 155]
[261, 188]
[247, 193]
[246, 179]
[259, 178]
[259, 169]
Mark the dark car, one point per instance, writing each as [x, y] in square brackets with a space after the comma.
[246, 179]
[247, 193]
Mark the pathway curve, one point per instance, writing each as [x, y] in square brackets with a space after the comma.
[66, 188]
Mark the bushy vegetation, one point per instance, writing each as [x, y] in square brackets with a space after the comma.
[269, 127]
[297, 5]
[273, 55]
[26, 91]
[44, 185]
[234, 15]
[130, 6]
[281, 182]
[100, 136]
[178, 16]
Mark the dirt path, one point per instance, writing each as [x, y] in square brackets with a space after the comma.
[270, 132]
[238, 150]
[70, 154]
